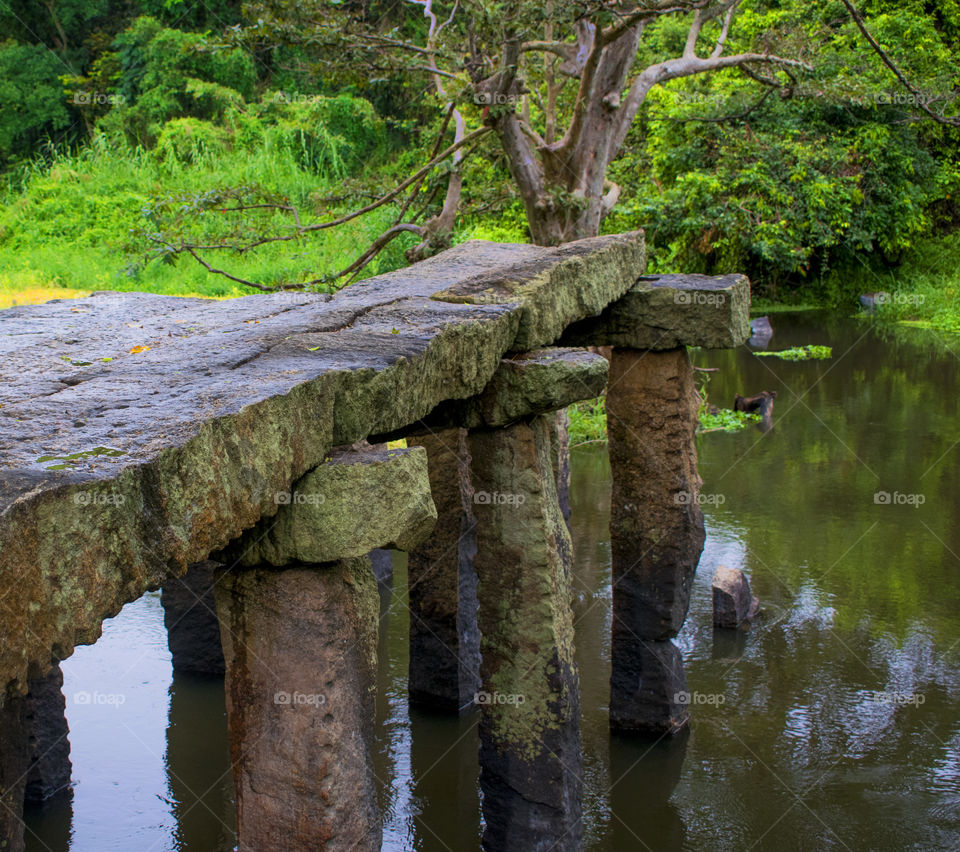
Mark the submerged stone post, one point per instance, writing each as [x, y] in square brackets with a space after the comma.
[656, 533]
[656, 526]
[444, 639]
[299, 612]
[300, 648]
[190, 616]
[45, 722]
[14, 760]
[34, 752]
[530, 762]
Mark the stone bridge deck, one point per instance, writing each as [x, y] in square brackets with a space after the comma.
[141, 433]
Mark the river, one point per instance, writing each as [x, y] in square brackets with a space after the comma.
[833, 724]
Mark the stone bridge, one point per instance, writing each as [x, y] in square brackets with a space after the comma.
[234, 454]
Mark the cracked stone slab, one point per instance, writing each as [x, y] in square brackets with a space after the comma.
[553, 285]
[139, 433]
[667, 311]
[352, 503]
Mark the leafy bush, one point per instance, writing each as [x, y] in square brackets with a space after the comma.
[31, 98]
[162, 76]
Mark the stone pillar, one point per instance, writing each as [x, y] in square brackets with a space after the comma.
[560, 456]
[45, 721]
[656, 532]
[14, 761]
[300, 650]
[444, 639]
[530, 763]
[190, 616]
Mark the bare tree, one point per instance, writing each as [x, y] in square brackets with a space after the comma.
[557, 85]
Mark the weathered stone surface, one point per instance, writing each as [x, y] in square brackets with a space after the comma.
[530, 700]
[733, 605]
[560, 458]
[300, 646]
[190, 616]
[45, 721]
[556, 284]
[667, 311]
[444, 638]
[355, 501]
[656, 526]
[141, 432]
[524, 385]
[14, 761]
[648, 688]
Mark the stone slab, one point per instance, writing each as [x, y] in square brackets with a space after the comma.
[353, 502]
[139, 433]
[667, 311]
[523, 386]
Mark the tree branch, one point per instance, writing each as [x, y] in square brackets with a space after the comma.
[885, 58]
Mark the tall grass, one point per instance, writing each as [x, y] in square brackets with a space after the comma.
[66, 223]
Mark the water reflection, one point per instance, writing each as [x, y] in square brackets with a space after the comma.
[198, 766]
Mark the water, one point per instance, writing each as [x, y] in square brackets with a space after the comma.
[833, 724]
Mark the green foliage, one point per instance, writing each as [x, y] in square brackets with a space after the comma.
[924, 290]
[334, 136]
[588, 421]
[801, 353]
[31, 106]
[71, 225]
[167, 73]
[725, 420]
[713, 419]
[832, 169]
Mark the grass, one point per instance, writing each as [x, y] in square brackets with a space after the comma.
[66, 229]
[588, 421]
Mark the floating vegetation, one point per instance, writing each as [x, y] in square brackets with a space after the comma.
[801, 353]
[726, 420]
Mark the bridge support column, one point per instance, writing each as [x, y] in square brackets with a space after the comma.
[14, 761]
[444, 638]
[529, 730]
[190, 616]
[48, 743]
[656, 532]
[300, 650]
[34, 752]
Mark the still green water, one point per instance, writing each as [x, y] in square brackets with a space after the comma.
[833, 724]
